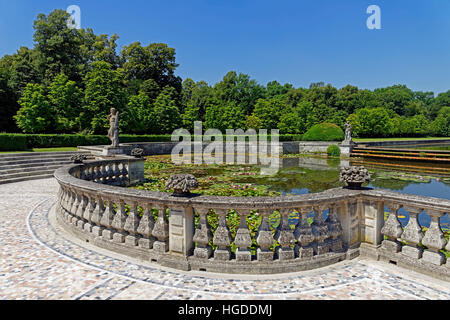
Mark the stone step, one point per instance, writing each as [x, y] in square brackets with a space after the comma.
[29, 169]
[35, 164]
[27, 174]
[12, 180]
[34, 161]
[41, 154]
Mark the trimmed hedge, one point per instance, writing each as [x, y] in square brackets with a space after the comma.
[22, 142]
[324, 132]
[13, 142]
[333, 150]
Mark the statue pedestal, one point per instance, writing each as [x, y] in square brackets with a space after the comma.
[346, 147]
[112, 151]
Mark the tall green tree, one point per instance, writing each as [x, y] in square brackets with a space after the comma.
[104, 90]
[34, 115]
[66, 102]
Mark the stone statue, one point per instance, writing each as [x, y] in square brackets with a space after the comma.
[113, 132]
[348, 132]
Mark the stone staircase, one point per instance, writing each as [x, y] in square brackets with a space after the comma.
[15, 167]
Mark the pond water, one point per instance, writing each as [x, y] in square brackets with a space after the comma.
[301, 174]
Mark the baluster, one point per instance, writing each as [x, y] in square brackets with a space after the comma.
[70, 205]
[124, 173]
[434, 240]
[243, 239]
[107, 220]
[392, 229]
[222, 237]
[145, 228]
[119, 222]
[320, 232]
[285, 236]
[202, 235]
[110, 174]
[413, 234]
[334, 229]
[80, 211]
[116, 173]
[131, 225]
[88, 213]
[96, 175]
[264, 237]
[104, 174]
[161, 231]
[303, 234]
[96, 217]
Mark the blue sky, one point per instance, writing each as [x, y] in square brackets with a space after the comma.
[295, 41]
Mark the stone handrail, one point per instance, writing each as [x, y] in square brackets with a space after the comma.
[157, 226]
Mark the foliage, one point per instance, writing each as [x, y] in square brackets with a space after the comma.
[324, 132]
[333, 151]
[80, 76]
[34, 114]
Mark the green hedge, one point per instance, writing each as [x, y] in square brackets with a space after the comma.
[21, 142]
[324, 132]
[13, 142]
[333, 150]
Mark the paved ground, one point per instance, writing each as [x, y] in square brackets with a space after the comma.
[38, 262]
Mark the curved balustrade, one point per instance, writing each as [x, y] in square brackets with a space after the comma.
[294, 233]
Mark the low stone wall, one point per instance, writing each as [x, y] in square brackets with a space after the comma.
[315, 146]
[93, 206]
[402, 142]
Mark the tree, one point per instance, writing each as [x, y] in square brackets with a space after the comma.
[58, 47]
[370, 122]
[395, 98]
[34, 115]
[65, 98]
[269, 111]
[239, 89]
[166, 112]
[155, 61]
[104, 90]
[139, 116]
[8, 102]
[225, 116]
[441, 125]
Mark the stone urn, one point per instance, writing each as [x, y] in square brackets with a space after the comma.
[78, 158]
[182, 184]
[354, 176]
[137, 152]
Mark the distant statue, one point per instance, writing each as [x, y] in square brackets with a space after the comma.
[348, 132]
[113, 132]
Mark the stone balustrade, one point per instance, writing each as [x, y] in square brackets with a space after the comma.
[268, 235]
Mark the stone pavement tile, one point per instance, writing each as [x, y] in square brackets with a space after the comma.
[38, 262]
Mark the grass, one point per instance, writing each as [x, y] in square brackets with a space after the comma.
[397, 139]
[42, 150]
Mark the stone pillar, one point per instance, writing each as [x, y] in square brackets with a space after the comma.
[434, 240]
[136, 171]
[285, 236]
[413, 234]
[264, 237]
[181, 231]
[372, 221]
[392, 229]
[303, 234]
[222, 237]
[243, 239]
[348, 216]
[203, 235]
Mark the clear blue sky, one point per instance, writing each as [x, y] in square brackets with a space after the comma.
[295, 41]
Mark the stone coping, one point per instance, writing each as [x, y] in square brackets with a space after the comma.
[64, 176]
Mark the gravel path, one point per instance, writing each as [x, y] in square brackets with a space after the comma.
[38, 261]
